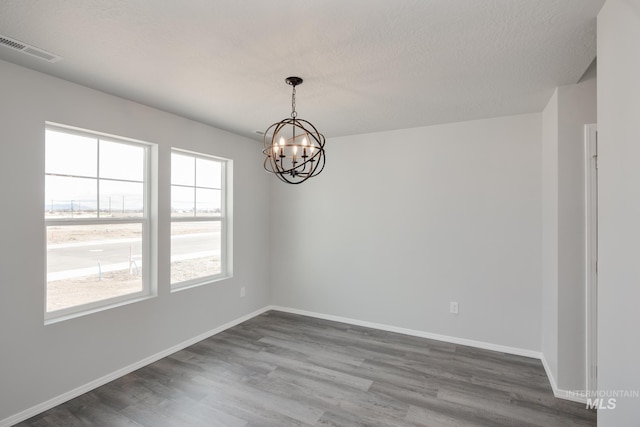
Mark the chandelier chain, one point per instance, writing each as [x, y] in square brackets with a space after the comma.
[294, 113]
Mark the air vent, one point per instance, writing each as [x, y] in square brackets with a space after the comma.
[28, 49]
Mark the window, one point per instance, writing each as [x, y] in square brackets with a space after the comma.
[198, 219]
[97, 220]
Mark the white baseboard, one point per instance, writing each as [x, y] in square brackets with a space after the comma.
[558, 392]
[35, 410]
[414, 332]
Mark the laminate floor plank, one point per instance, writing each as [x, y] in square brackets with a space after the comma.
[280, 369]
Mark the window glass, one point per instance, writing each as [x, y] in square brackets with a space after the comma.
[91, 263]
[182, 169]
[70, 197]
[195, 250]
[208, 173]
[70, 154]
[95, 216]
[207, 202]
[182, 201]
[198, 219]
[121, 199]
[121, 161]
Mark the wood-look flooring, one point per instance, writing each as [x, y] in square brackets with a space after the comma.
[280, 369]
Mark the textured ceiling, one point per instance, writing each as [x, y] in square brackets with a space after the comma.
[368, 65]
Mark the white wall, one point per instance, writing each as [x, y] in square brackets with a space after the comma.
[619, 208]
[576, 107]
[40, 362]
[550, 237]
[563, 233]
[401, 223]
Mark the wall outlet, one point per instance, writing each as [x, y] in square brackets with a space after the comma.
[453, 307]
[242, 292]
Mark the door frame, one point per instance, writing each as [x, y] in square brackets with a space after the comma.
[591, 255]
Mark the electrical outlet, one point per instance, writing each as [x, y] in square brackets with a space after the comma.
[453, 307]
[242, 292]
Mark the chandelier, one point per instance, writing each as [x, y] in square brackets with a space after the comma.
[293, 148]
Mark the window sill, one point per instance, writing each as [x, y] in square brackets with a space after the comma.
[198, 282]
[52, 317]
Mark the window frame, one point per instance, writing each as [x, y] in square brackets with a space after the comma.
[149, 286]
[223, 219]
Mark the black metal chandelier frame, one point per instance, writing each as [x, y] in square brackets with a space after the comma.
[293, 147]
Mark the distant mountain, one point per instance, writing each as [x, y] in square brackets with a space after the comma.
[90, 206]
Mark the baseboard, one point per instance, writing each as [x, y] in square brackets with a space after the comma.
[35, 410]
[573, 396]
[414, 332]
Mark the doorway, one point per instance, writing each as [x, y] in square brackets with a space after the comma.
[591, 254]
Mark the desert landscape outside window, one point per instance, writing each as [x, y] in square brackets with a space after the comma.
[96, 218]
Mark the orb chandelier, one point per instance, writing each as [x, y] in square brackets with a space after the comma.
[293, 148]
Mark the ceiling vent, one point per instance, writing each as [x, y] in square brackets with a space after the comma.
[28, 49]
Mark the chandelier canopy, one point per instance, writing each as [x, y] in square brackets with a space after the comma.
[293, 147]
